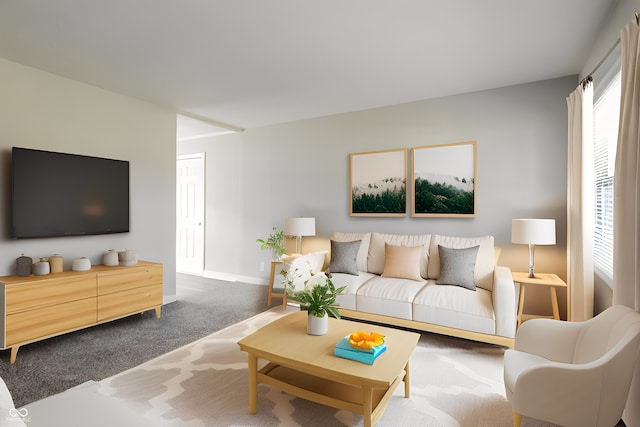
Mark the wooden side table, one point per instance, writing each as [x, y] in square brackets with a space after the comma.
[271, 294]
[552, 281]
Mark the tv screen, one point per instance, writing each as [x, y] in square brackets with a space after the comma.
[58, 194]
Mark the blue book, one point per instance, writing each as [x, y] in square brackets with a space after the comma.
[345, 350]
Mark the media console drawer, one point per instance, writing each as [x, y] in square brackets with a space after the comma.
[32, 294]
[38, 307]
[128, 301]
[135, 276]
[48, 321]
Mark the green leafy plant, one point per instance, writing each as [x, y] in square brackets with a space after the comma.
[315, 292]
[274, 242]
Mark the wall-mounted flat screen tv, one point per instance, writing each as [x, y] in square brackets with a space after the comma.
[58, 194]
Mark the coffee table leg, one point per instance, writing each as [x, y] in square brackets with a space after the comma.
[407, 381]
[253, 383]
[367, 405]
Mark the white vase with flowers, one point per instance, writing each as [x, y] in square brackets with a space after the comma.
[316, 294]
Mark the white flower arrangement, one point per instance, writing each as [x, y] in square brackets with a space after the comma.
[314, 291]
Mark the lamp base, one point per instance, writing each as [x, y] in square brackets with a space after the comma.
[532, 249]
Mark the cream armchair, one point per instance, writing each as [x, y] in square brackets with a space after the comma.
[573, 373]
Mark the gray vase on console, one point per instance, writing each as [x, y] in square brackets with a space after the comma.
[23, 266]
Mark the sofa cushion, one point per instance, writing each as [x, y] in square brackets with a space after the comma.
[377, 249]
[363, 252]
[402, 262]
[457, 266]
[347, 299]
[455, 307]
[388, 296]
[344, 257]
[483, 272]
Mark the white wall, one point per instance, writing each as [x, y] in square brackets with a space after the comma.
[44, 111]
[608, 36]
[258, 178]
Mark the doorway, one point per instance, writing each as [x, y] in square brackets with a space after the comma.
[190, 205]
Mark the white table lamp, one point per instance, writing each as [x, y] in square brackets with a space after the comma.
[533, 232]
[299, 227]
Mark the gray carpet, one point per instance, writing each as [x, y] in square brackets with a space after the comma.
[204, 306]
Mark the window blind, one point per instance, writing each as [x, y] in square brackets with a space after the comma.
[606, 113]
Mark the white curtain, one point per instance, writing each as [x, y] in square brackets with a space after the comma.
[626, 249]
[580, 204]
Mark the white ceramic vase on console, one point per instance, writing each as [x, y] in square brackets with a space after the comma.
[81, 264]
[110, 258]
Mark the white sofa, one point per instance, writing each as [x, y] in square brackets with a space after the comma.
[443, 284]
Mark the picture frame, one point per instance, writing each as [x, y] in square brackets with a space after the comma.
[443, 180]
[378, 183]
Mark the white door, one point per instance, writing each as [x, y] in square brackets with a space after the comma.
[190, 214]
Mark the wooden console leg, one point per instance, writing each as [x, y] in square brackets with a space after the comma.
[14, 353]
[158, 311]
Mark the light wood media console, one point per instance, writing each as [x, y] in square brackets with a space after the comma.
[34, 308]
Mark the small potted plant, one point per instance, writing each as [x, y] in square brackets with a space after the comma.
[316, 294]
[274, 242]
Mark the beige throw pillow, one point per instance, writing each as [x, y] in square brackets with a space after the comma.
[402, 262]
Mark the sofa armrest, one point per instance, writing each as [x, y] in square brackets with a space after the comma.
[504, 302]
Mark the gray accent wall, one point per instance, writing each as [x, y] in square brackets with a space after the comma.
[257, 178]
[44, 111]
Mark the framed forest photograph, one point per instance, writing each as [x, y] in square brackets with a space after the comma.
[379, 183]
[444, 180]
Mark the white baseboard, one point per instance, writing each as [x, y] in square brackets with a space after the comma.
[166, 299]
[234, 277]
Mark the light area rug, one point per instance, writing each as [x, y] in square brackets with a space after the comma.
[454, 383]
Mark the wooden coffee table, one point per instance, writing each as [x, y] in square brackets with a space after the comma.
[305, 366]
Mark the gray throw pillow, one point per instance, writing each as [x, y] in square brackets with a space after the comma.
[457, 266]
[343, 257]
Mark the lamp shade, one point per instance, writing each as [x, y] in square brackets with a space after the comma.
[300, 227]
[533, 231]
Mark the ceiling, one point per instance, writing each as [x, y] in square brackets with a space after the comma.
[251, 63]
